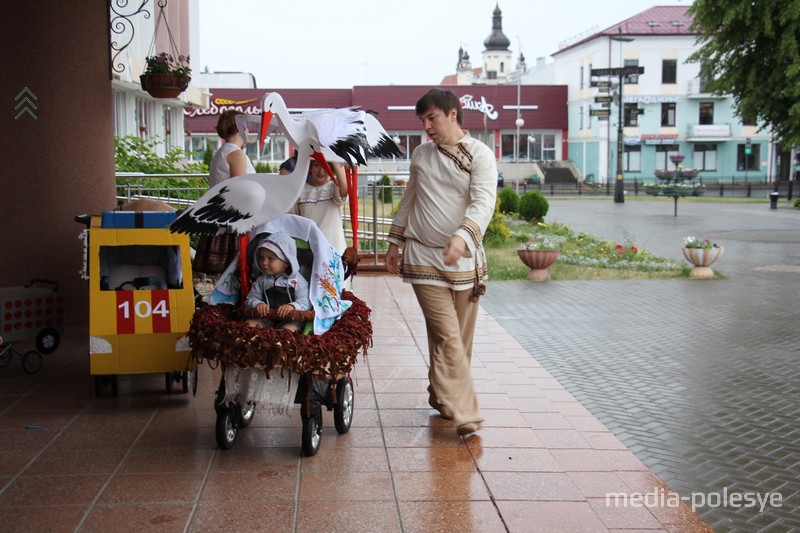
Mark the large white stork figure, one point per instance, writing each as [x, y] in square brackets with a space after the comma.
[340, 131]
[348, 135]
[243, 202]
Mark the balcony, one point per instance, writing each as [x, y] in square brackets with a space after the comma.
[696, 88]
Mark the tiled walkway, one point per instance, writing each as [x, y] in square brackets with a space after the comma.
[147, 461]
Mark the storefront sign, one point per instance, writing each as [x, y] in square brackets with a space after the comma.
[711, 130]
[659, 138]
[656, 99]
[469, 103]
[218, 105]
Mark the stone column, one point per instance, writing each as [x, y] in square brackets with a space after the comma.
[59, 163]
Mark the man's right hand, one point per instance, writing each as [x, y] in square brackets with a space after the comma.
[393, 259]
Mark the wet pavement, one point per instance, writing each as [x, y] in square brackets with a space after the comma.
[700, 379]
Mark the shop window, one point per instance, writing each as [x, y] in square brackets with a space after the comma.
[750, 161]
[663, 151]
[705, 156]
[632, 159]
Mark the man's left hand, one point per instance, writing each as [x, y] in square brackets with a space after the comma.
[454, 250]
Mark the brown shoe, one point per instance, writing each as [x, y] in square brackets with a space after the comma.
[468, 428]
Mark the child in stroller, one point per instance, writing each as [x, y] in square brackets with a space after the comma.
[259, 363]
[280, 285]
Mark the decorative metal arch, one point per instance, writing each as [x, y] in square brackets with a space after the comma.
[122, 26]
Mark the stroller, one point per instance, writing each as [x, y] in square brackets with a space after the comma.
[271, 368]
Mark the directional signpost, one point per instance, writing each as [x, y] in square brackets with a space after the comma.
[604, 85]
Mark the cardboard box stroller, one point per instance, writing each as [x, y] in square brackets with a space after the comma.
[141, 298]
[33, 311]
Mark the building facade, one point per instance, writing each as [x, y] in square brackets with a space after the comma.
[490, 114]
[665, 109]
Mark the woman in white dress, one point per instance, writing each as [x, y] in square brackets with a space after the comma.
[215, 253]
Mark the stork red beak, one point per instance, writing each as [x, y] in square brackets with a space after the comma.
[320, 159]
[266, 118]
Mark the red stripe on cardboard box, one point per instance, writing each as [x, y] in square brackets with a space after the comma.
[161, 312]
[126, 324]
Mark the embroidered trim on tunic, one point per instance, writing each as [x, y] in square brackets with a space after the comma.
[459, 154]
[473, 230]
[413, 273]
[397, 232]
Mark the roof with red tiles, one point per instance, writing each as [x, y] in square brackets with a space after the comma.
[656, 21]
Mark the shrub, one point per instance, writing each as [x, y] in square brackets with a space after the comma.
[533, 206]
[797, 203]
[263, 168]
[386, 189]
[509, 200]
[208, 155]
[133, 154]
[498, 231]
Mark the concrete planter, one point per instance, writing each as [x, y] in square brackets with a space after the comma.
[702, 259]
[538, 261]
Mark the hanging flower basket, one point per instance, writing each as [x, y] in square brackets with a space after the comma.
[163, 85]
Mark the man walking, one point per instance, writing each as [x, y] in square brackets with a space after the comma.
[444, 213]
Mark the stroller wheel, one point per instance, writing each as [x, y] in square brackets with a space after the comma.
[343, 409]
[32, 362]
[248, 410]
[47, 340]
[226, 429]
[312, 435]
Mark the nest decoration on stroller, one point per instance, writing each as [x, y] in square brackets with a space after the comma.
[269, 367]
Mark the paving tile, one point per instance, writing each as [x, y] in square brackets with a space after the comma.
[348, 517]
[243, 516]
[440, 486]
[547, 517]
[532, 486]
[446, 517]
[153, 488]
[431, 459]
[154, 517]
[254, 486]
[51, 518]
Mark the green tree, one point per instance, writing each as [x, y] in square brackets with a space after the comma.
[750, 49]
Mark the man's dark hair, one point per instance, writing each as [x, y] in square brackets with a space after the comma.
[441, 99]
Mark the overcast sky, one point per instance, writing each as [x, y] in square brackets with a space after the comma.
[343, 43]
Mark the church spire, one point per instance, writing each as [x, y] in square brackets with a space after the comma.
[497, 40]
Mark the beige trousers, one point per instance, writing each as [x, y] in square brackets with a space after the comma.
[450, 322]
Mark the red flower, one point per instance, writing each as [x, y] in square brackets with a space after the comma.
[618, 246]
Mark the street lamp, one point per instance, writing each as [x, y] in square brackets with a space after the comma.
[519, 123]
[619, 192]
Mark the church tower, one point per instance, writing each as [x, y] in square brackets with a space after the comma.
[464, 73]
[497, 57]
